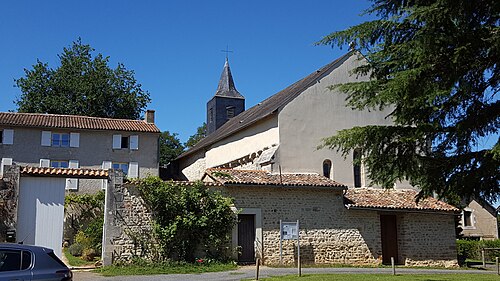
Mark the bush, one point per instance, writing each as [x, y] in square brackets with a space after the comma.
[89, 254]
[76, 249]
[188, 218]
[471, 249]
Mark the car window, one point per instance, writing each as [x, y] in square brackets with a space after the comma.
[55, 258]
[10, 260]
[26, 261]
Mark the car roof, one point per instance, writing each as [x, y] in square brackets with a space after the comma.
[24, 247]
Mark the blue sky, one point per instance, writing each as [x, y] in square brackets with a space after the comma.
[174, 47]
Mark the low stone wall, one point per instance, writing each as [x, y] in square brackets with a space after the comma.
[9, 185]
[128, 223]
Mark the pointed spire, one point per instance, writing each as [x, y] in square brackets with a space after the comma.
[226, 86]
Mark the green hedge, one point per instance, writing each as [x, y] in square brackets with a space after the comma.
[470, 249]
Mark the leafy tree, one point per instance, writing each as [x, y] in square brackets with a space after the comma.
[435, 64]
[82, 85]
[201, 132]
[187, 218]
[170, 147]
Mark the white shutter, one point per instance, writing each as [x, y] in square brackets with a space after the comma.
[117, 142]
[5, 162]
[105, 166]
[134, 142]
[46, 136]
[133, 170]
[72, 184]
[74, 140]
[44, 163]
[8, 136]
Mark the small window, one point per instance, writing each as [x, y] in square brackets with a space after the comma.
[467, 218]
[60, 139]
[124, 142]
[230, 112]
[59, 164]
[121, 166]
[211, 115]
[327, 168]
[1, 136]
[10, 260]
[356, 158]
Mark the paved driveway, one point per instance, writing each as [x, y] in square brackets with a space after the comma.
[249, 272]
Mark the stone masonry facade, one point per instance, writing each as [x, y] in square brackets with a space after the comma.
[332, 234]
[329, 233]
[9, 194]
[128, 223]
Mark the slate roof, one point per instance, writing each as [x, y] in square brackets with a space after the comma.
[74, 122]
[226, 86]
[392, 199]
[264, 178]
[267, 107]
[65, 172]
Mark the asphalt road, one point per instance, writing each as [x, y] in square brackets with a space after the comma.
[248, 272]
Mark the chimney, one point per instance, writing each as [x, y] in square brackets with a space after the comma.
[150, 116]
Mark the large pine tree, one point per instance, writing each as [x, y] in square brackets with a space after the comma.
[436, 64]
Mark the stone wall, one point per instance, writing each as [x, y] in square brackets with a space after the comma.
[9, 192]
[128, 227]
[332, 234]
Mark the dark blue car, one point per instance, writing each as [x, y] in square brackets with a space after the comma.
[26, 262]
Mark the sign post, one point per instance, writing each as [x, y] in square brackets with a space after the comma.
[290, 231]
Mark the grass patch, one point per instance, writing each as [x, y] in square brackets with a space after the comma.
[385, 277]
[163, 268]
[75, 261]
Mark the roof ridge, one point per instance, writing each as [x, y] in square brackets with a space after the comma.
[70, 115]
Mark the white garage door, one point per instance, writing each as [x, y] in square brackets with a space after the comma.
[41, 212]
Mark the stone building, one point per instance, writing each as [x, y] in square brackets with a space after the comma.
[345, 221]
[337, 225]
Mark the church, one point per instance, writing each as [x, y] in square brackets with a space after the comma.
[267, 159]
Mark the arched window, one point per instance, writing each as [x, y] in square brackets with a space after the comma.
[327, 168]
[356, 159]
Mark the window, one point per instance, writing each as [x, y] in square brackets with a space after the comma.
[121, 166]
[467, 218]
[11, 260]
[230, 112]
[124, 142]
[356, 159]
[211, 115]
[60, 139]
[59, 164]
[7, 136]
[327, 168]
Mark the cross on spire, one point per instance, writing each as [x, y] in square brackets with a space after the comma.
[227, 51]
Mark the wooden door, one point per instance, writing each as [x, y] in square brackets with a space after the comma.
[389, 233]
[246, 238]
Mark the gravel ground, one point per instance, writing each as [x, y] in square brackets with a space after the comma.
[246, 272]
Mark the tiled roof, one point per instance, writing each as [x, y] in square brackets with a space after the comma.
[65, 172]
[267, 107]
[74, 122]
[253, 177]
[393, 199]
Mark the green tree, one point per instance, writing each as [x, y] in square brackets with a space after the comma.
[170, 147]
[201, 132]
[436, 65]
[82, 85]
[188, 218]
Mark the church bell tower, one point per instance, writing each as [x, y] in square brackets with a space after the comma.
[226, 103]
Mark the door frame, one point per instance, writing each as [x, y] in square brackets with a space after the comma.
[384, 239]
[258, 230]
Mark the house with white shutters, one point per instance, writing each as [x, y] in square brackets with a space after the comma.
[67, 141]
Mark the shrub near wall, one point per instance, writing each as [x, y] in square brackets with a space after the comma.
[471, 249]
[188, 218]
